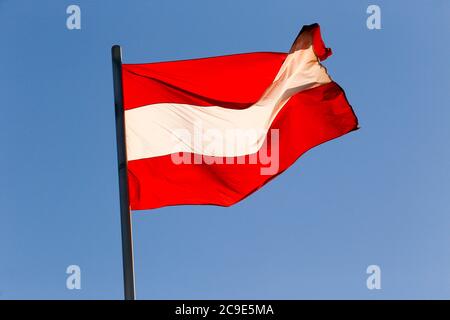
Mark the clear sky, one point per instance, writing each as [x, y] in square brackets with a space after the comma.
[380, 195]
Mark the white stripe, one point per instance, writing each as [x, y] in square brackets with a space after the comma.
[166, 128]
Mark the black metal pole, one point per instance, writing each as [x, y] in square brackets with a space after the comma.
[125, 214]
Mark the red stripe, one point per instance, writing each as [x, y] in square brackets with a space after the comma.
[309, 118]
[234, 81]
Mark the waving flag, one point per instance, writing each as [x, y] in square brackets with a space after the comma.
[214, 130]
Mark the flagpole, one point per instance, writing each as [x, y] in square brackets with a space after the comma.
[125, 214]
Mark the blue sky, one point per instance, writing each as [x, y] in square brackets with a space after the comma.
[379, 195]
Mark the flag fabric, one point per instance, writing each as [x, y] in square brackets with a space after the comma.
[214, 130]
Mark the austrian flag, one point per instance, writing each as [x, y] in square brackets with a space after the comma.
[214, 130]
